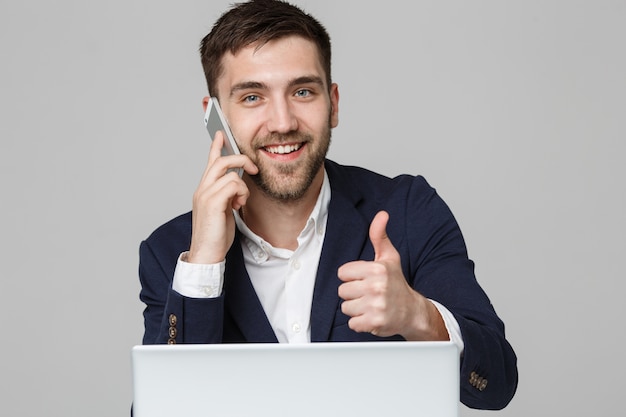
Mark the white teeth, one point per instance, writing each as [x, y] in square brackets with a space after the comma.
[283, 149]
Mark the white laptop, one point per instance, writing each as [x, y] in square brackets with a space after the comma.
[362, 379]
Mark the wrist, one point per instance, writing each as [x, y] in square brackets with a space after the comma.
[425, 322]
[200, 258]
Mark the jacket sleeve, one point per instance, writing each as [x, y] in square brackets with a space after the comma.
[169, 317]
[439, 268]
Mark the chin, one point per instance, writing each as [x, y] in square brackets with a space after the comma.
[286, 186]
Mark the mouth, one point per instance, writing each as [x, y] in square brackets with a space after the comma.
[285, 149]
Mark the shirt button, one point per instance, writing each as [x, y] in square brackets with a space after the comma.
[208, 290]
[295, 264]
[296, 328]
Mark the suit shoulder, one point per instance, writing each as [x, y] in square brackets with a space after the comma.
[175, 230]
[375, 183]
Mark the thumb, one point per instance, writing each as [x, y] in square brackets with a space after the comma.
[383, 248]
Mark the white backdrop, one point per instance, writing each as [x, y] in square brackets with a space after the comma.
[514, 110]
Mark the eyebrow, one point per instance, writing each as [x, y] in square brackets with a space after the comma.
[247, 85]
[308, 79]
[256, 85]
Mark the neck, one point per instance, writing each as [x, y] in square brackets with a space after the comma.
[280, 222]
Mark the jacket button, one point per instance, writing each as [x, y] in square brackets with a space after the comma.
[482, 385]
[473, 378]
[478, 381]
[171, 341]
[172, 332]
[173, 319]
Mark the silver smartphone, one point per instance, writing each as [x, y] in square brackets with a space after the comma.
[214, 120]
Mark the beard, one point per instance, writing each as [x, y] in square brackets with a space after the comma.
[290, 181]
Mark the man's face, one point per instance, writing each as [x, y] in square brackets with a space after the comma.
[280, 112]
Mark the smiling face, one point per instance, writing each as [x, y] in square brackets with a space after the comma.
[281, 112]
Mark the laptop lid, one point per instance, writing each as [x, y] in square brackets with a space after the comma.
[318, 379]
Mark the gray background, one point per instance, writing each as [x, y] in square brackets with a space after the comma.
[513, 110]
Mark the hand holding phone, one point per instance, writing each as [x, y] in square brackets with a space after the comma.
[214, 120]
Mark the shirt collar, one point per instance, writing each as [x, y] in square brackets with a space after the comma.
[315, 224]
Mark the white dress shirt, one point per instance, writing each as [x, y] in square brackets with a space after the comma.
[283, 279]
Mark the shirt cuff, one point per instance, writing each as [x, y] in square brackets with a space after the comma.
[198, 280]
[454, 330]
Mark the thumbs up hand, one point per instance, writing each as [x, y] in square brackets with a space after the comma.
[379, 299]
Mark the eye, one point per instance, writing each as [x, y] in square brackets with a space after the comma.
[303, 93]
[251, 99]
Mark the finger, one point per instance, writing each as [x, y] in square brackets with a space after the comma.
[215, 151]
[383, 248]
[228, 189]
[351, 290]
[364, 321]
[352, 308]
[235, 161]
[361, 324]
[217, 166]
[249, 166]
[355, 270]
[241, 196]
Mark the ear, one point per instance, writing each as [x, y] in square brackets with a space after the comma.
[205, 103]
[334, 105]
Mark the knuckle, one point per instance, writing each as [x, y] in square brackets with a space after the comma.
[232, 175]
[378, 269]
[378, 287]
[379, 305]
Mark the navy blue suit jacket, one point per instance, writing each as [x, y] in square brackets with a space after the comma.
[434, 261]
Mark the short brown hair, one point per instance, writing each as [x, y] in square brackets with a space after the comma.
[259, 21]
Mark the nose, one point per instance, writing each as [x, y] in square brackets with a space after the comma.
[281, 117]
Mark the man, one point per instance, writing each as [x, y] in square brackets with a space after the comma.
[301, 249]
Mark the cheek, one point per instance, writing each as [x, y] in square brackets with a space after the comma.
[316, 120]
[243, 131]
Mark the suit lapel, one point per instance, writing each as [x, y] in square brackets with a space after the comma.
[242, 302]
[346, 235]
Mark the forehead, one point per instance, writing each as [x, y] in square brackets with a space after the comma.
[274, 63]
